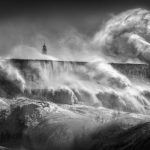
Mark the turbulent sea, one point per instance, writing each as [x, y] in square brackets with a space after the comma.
[73, 105]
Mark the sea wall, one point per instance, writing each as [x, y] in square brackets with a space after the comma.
[141, 71]
[31, 69]
[130, 70]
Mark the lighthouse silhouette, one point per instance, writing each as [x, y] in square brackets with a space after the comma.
[44, 49]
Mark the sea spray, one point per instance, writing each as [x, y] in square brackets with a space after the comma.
[12, 73]
[94, 83]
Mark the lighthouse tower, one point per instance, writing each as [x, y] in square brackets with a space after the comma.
[44, 49]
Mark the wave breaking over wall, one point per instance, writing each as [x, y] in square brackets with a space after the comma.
[128, 69]
[90, 83]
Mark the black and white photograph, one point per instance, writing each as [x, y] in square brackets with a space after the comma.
[74, 75]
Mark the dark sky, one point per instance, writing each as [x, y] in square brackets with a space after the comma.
[28, 5]
[21, 22]
[9, 8]
[67, 10]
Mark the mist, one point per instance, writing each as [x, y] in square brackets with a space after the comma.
[60, 34]
[121, 37]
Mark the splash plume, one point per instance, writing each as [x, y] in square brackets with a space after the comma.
[126, 36]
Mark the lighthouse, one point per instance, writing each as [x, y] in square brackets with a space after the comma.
[44, 49]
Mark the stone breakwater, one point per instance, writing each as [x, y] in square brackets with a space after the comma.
[141, 71]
